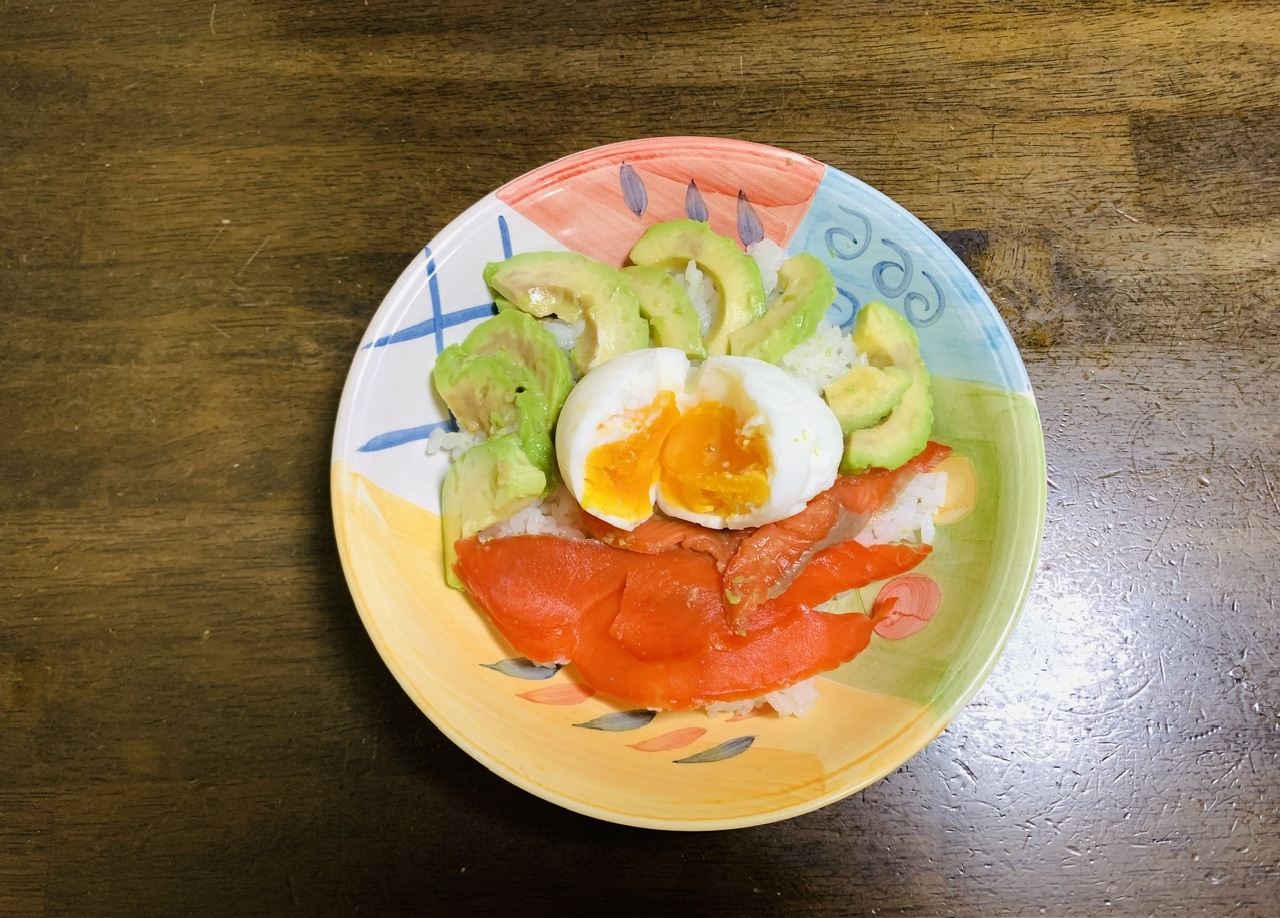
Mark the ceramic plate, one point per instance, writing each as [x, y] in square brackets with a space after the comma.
[542, 728]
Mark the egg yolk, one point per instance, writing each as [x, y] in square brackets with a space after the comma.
[711, 465]
[620, 475]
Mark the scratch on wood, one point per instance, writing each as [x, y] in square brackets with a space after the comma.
[967, 770]
[1270, 483]
[253, 256]
[1128, 217]
[66, 551]
[1163, 529]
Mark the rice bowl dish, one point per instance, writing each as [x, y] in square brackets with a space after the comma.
[744, 762]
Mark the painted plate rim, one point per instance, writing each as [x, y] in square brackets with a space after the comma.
[411, 283]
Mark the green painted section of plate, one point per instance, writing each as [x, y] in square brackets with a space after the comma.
[984, 563]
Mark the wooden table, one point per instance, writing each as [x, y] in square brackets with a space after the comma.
[204, 204]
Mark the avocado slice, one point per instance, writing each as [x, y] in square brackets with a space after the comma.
[480, 389]
[865, 395]
[672, 245]
[665, 304]
[493, 394]
[888, 340]
[886, 337]
[572, 287]
[520, 337]
[807, 291]
[487, 484]
[533, 429]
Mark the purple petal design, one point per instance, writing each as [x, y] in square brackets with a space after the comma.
[750, 229]
[694, 206]
[620, 720]
[523, 668]
[633, 189]
[726, 750]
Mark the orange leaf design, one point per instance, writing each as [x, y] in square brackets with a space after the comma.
[904, 605]
[579, 199]
[673, 740]
[567, 693]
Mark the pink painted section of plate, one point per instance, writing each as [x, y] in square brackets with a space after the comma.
[580, 200]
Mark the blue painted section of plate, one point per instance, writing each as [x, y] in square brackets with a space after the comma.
[877, 250]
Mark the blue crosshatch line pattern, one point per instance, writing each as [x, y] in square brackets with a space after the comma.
[505, 235]
[440, 320]
[437, 312]
[407, 435]
[433, 327]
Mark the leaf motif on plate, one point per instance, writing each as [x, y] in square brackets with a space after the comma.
[750, 229]
[676, 739]
[523, 668]
[633, 191]
[566, 693]
[694, 206]
[726, 750]
[619, 721]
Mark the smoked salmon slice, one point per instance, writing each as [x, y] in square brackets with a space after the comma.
[658, 533]
[652, 629]
[536, 588]
[670, 607]
[773, 552]
[847, 566]
[867, 492]
[769, 553]
[810, 644]
[643, 614]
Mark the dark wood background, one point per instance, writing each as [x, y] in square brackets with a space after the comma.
[201, 206]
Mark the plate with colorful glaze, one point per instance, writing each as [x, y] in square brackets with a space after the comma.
[541, 727]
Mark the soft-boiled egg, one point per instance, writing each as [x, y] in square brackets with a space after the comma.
[728, 443]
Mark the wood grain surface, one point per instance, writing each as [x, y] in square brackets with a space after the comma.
[201, 206]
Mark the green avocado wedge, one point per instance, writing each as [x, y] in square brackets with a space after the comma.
[521, 338]
[487, 484]
[806, 290]
[573, 287]
[665, 304]
[672, 245]
[866, 395]
[480, 389]
[888, 340]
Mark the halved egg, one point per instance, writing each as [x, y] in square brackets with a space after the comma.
[728, 443]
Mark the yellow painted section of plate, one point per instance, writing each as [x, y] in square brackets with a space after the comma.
[436, 644]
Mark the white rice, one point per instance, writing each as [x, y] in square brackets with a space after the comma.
[769, 257]
[795, 700]
[453, 442]
[910, 517]
[556, 514]
[702, 294]
[823, 357]
[565, 333]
